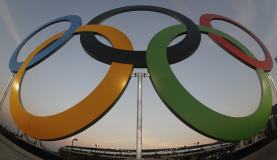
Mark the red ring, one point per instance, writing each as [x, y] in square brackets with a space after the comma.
[250, 61]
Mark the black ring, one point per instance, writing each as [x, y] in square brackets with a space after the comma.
[107, 54]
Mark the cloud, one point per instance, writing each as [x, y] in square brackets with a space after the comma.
[8, 21]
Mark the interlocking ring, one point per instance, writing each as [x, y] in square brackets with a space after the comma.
[249, 60]
[187, 108]
[47, 51]
[176, 53]
[88, 110]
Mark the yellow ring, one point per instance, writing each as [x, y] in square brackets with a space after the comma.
[87, 111]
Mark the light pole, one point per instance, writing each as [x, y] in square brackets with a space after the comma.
[72, 141]
[196, 143]
[139, 75]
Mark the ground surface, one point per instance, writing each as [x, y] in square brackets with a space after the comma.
[9, 151]
[268, 152]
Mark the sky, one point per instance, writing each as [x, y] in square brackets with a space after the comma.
[212, 75]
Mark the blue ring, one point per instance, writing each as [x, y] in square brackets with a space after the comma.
[75, 23]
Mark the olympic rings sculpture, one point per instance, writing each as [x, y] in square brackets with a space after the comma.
[157, 59]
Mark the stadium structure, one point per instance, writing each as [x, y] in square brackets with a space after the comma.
[218, 150]
[258, 147]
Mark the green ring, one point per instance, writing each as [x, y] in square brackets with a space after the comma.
[187, 108]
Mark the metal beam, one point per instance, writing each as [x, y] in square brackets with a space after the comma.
[3, 98]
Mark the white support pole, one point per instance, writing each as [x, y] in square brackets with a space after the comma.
[139, 114]
[272, 120]
[3, 98]
[272, 84]
[139, 117]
